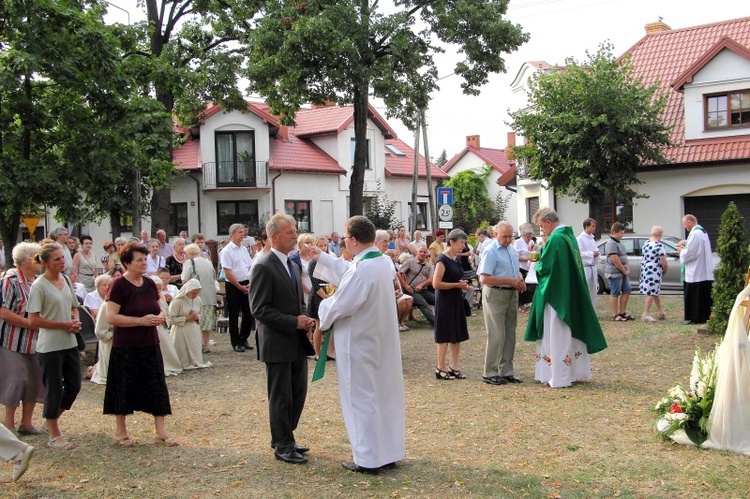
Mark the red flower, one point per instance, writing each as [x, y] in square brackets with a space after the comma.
[675, 408]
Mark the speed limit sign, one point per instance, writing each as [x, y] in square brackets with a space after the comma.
[445, 213]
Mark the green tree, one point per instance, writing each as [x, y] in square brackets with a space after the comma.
[592, 125]
[442, 159]
[471, 202]
[729, 276]
[60, 73]
[381, 211]
[191, 56]
[343, 51]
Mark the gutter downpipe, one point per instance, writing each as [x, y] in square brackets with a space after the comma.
[198, 197]
[273, 193]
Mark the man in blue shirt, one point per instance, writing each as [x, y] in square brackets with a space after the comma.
[334, 246]
[501, 281]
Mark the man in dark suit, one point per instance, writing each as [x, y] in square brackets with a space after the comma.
[276, 301]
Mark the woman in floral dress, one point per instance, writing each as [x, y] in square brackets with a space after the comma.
[653, 268]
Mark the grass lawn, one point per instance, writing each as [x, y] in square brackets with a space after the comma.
[464, 437]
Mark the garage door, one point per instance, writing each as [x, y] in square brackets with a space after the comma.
[709, 209]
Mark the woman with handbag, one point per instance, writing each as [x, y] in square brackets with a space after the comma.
[53, 309]
[197, 267]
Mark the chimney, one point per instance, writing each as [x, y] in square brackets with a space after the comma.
[327, 103]
[284, 133]
[657, 27]
[472, 141]
[511, 139]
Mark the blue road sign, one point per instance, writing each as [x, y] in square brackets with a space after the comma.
[445, 195]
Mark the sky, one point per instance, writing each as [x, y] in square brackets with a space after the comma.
[558, 29]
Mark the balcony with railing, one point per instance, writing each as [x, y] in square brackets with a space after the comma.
[235, 174]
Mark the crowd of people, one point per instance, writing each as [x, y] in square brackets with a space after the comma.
[155, 308]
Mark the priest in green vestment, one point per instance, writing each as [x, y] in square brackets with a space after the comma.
[562, 320]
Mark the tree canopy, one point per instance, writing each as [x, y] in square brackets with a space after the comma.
[590, 126]
[343, 51]
[68, 119]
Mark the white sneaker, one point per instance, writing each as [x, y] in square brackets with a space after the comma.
[212, 343]
[647, 318]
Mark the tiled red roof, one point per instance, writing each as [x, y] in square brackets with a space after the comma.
[333, 120]
[403, 166]
[496, 158]
[188, 155]
[301, 155]
[666, 56]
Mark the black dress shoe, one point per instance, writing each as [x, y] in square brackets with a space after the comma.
[388, 466]
[293, 457]
[247, 346]
[513, 379]
[239, 348]
[495, 380]
[300, 449]
[360, 469]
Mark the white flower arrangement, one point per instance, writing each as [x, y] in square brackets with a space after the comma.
[689, 411]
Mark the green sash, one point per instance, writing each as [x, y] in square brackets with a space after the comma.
[320, 365]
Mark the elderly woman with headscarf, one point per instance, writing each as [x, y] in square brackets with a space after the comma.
[184, 313]
[172, 366]
[197, 267]
[20, 374]
[103, 331]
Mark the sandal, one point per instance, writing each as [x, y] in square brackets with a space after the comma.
[403, 327]
[61, 442]
[125, 441]
[168, 441]
[647, 318]
[456, 374]
[661, 316]
[619, 318]
[627, 317]
[443, 375]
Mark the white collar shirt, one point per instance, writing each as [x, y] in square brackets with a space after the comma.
[238, 260]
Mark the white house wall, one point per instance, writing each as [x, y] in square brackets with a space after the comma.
[328, 205]
[234, 121]
[665, 204]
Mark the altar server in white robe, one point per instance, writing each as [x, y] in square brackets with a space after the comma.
[368, 349]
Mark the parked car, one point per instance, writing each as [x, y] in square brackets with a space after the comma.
[633, 245]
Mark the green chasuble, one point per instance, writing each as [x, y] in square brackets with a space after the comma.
[562, 284]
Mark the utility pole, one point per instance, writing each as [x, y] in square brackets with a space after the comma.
[430, 191]
[415, 179]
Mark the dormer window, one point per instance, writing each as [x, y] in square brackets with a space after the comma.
[728, 110]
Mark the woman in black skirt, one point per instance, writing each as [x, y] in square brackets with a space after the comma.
[135, 380]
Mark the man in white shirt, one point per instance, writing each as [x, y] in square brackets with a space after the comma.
[589, 256]
[695, 255]
[144, 238]
[236, 262]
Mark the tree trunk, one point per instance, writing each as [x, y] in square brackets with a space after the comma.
[357, 182]
[161, 198]
[114, 218]
[9, 228]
